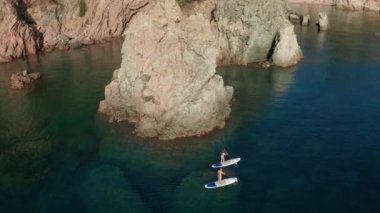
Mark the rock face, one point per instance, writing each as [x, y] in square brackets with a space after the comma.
[305, 20]
[323, 22]
[18, 37]
[350, 4]
[21, 79]
[370, 5]
[287, 52]
[247, 29]
[167, 84]
[30, 26]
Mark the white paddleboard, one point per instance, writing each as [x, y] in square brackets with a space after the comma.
[225, 163]
[224, 182]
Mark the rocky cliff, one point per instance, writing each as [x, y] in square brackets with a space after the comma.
[167, 86]
[31, 26]
[370, 5]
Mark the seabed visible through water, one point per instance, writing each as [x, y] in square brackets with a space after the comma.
[309, 136]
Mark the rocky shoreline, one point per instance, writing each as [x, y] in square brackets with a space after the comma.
[365, 5]
[33, 26]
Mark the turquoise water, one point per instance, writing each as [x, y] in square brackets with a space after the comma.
[308, 135]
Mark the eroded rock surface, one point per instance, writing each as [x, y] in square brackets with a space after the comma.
[323, 22]
[167, 84]
[305, 20]
[30, 26]
[247, 29]
[18, 38]
[287, 51]
[21, 79]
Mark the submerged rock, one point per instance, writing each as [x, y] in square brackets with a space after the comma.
[287, 51]
[75, 44]
[106, 189]
[264, 65]
[21, 79]
[323, 22]
[167, 85]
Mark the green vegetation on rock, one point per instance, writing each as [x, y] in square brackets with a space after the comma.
[184, 2]
[82, 8]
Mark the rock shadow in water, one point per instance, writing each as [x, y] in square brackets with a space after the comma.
[106, 190]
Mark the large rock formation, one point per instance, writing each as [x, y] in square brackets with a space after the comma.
[60, 24]
[370, 5]
[287, 52]
[247, 29]
[167, 84]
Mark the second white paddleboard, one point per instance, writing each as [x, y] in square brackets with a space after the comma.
[224, 182]
[225, 163]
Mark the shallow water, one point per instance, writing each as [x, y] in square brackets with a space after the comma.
[308, 135]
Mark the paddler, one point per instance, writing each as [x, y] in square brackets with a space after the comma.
[223, 155]
[220, 175]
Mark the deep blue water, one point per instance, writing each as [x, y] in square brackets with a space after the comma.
[309, 136]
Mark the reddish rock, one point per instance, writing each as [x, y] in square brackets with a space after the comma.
[32, 26]
[21, 79]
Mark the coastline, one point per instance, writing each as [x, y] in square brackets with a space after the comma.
[351, 5]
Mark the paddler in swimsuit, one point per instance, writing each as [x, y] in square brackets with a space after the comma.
[223, 155]
[220, 175]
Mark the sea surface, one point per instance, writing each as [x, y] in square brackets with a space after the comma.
[308, 136]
